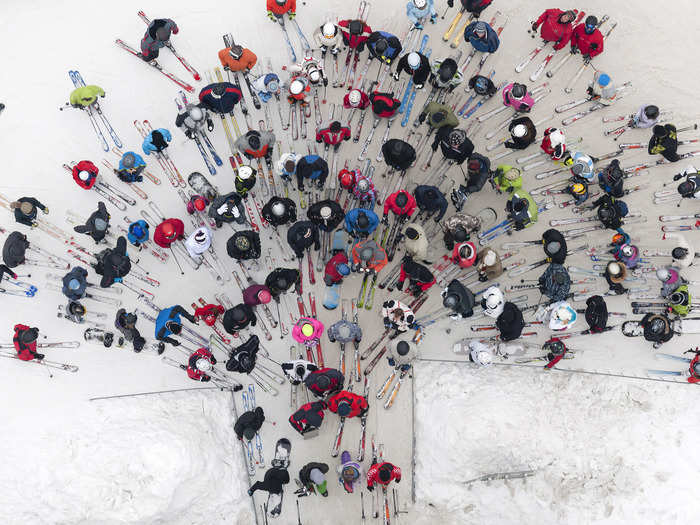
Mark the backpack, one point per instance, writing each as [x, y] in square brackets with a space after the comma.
[596, 313]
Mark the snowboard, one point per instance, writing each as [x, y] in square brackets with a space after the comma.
[202, 186]
[283, 449]
[332, 295]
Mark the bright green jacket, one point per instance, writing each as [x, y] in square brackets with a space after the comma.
[505, 184]
[85, 96]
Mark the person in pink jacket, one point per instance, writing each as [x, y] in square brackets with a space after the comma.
[516, 96]
[307, 331]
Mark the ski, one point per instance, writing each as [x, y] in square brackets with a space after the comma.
[44, 362]
[184, 85]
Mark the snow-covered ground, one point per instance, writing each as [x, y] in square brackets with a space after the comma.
[607, 450]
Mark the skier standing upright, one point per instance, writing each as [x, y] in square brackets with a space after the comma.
[418, 10]
[157, 36]
[557, 26]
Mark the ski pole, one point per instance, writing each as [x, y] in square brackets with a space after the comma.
[176, 261]
[446, 10]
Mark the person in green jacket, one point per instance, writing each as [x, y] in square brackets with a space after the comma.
[680, 301]
[508, 178]
[522, 209]
[85, 96]
[439, 116]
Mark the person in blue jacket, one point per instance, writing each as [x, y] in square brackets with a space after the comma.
[131, 165]
[430, 200]
[482, 37]
[313, 168]
[384, 46]
[169, 323]
[156, 141]
[361, 222]
[137, 233]
[417, 10]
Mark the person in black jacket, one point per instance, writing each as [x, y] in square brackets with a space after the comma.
[249, 423]
[522, 133]
[313, 477]
[244, 245]
[242, 359]
[96, 225]
[475, 7]
[227, 209]
[313, 168]
[279, 211]
[510, 323]
[326, 214]
[420, 278]
[478, 172]
[416, 65]
[610, 211]
[282, 279]
[554, 245]
[399, 155]
[482, 85]
[459, 299]
[113, 264]
[220, 97]
[273, 481]
[430, 199]
[301, 236]
[25, 210]
[454, 144]
[664, 142]
[75, 283]
[14, 249]
[238, 318]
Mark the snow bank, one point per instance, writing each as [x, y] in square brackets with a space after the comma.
[606, 450]
[171, 458]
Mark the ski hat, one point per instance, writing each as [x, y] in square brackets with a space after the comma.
[203, 364]
[137, 230]
[402, 348]
[490, 258]
[385, 471]
[128, 160]
[264, 296]
[343, 269]
[245, 172]
[329, 30]
[616, 271]
[84, 175]
[413, 60]
[519, 131]
[325, 212]
[493, 297]
[363, 185]
[307, 329]
[603, 79]
[678, 252]
[344, 408]
[73, 284]
[651, 112]
[480, 28]
[355, 97]
[29, 335]
[248, 433]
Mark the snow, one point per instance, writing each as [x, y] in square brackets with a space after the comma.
[607, 450]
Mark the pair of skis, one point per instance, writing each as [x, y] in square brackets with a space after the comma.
[78, 82]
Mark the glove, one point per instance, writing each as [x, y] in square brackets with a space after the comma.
[103, 94]
[399, 286]
[589, 90]
[189, 134]
[450, 3]
[39, 357]
[118, 280]
[325, 82]
[205, 379]
[433, 18]
[421, 118]
[574, 50]
[176, 343]
[319, 185]
[418, 86]
[586, 59]
[319, 140]
[292, 15]
[678, 176]
[397, 480]
[46, 211]
[392, 361]
[419, 26]
[395, 76]
[210, 126]
[385, 220]
[370, 488]
[534, 26]
[271, 16]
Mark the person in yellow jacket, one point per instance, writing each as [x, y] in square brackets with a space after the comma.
[85, 96]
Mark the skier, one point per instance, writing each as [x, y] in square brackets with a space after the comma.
[157, 36]
[679, 301]
[415, 241]
[361, 222]
[169, 322]
[482, 86]
[614, 274]
[624, 251]
[368, 256]
[364, 192]
[397, 316]
[383, 46]
[227, 209]
[384, 105]
[459, 299]
[683, 253]
[312, 168]
[646, 117]
[198, 242]
[85, 174]
[131, 166]
[420, 278]
[156, 141]
[508, 178]
[474, 7]
[454, 144]
[610, 212]
[482, 37]
[313, 478]
[349, 472]
[298, 89]
[458, 228]
[113, 264]
[245, 180]
[493, 301]
[324, 382]
[401, 353]
[74, 283]
[125, 322]
[445, 74]
[192, 118]
[670, 279]
[249, 423]
[344, 332]
[464, 254]
[401, 203]
[657, 328]
[478, 172]
[308, 417]
[209, 313]
[282, 279]
[347, 404]
[242, 359]
[398, 154]
[438, 116]
[14, 249]
[522, 133]
[257, 144]
[611, 179]
[382, 474]
[85, 96]
[301, 236]
[356, 99]
[602, 89]
[256, 294]
[510, 322]
[279, 211]
[554, 143]
[25, 210]
[275, 477]
[587, 39]
[97, 224]
[416, 65]
[690, 187]
[560, 314]
[307, 331]
[522, 209]
[25, 339]
[311, 69]
[336, 268]
[278, 8]
[417, 10]
[664, 142]
[430, 201]
[244, 245]
[555, 282]
[328, 37]
[326, 214]
[557, 26]
[286, 166]
[488, 264]
[266, 86]
[298, 370]
[237, 58]
[596, 313]
[169, 231]
[554, 245]
[220, 98]
[332, 133]
[516, 96]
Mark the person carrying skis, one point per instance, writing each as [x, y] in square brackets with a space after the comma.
[493, 302]
[683, 252]
[266, 86]
[324, 382]
[557, 26]
[328, 38]
[382, 474]
[398, 154]
[646, 117]
[298, 370]
[192, 119]
[458, 228]
[25, 340]
[364, 191]
[516, 96]
[474, 7]
[242, 359]
[332, 133]
[438, 116]
[349, 472]
[431, 201]
[347, 404]
[279, 211]
[510, 322]
[301, 236]
[169, 231]
[169, 323]
[488, 264]
[97, 225]
[227, 209]
[482, 37]
[312, 168]
[249, 423]
[256, 144]
[554, 143]
[383, 46]
[157, 36]
[420, 278]
[344, 332]
[554, 244]
[278, 8]
[664, 142]
[610, 212]
[156, 141]
[356, 99]
[125, 322]
[368, 256]
[244, 245]
[459, 299]
[596, 314]
[313, 479]
[401, 203]
[361, 222]
[418, 10]
[198, 242]
[522, 209]
[657, 328]
[85, 96]
[220, 98]
[454, 144]
[416, 65]
[336, 268]
[555, 282]
[587, 39]
[326, 214]
[397, 316]
[237, 58]
[508, 178]
[464, 254]
[384, 105]
[281, 280]
[25, 210]
[445, 74]
[308, 417]
[415, 241]
[602, 89]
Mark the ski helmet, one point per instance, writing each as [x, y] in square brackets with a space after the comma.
[29, 335]
[281, 283]
[325, 212]
[483, 358]
[203, 364]
[199, 203]
[264, 296]
[173, 326]
[278, 209]
[307, 329]
[420, 4]
[480, 29]
[363, 185]
[519, 131]
[75, 308]
[385, 471]
[447, 70]
[555, 347]
[195, 113]
[300, 370]
[660, 131]
[245, 172]
[347, 179]
[238, 315]
[578, 189]
[493, 300]
[73, 284]
[567, 17]
[101, 224]
[563, 313]
[162, 34]
[402, 348]
[25, 207]
[518, 90]
[490, 258]
[356, 27]
[658, 325]
[457, 137]
[242, 243]
[355, 98]
[556, 137]
[614, 268]
[591, 23]
[604, 79]
[366, 253]
[314, 75]
[450, 301]
[129, 160]
[296, 87]
[627, 250]
[412, 233]
[236, 52]
[273, 85]
[362, 220]
[84, 175]
[512, 174]
[401, 199]
[290, 166]
[467, 251]
[343, 269]
[651, 112]
[381, 45]
[460, 234]
[329, 30]
[473, 166]
[137, 231]
[254, 139]
[605, 213]
[343, 408]
[438, 116]
[552, 247]
[686, 188]
[200, 236]
[335, 126]
[577, 168]
[677, 298]
[678, 252]
[168, 230]
[413, 60]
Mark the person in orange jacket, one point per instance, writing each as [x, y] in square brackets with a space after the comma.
[237, 58]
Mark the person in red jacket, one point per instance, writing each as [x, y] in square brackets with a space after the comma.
[694, 366]
[382, 473]
[308, 417]
[355, 33]
[336, 269]
[587, 39]
[85, 174]
[332, 134]
[209, 313]
[347, 404]
[557, 26]
[199, 363]
[169, 231]
[25, 343]
[384, 105]
[278, 8]
[401, 203]
[356, 99]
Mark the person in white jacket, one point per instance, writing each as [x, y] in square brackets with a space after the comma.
[416, 242]
[198, 242]
[492, 302]
[683, 253]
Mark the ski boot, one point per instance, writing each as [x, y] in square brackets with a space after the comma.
[97, 334]
[459, 197]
